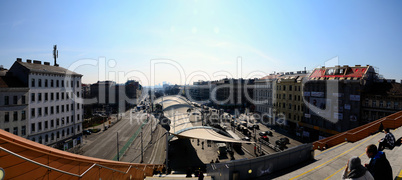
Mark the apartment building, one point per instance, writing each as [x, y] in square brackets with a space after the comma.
[54, 101]
[13, 105]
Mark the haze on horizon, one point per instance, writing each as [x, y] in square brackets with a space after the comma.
[202, 37]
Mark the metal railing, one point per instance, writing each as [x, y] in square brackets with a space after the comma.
[65, 172]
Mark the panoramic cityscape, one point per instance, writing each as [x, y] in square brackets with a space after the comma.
[201, 90]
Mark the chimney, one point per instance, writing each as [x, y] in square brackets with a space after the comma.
[29, 61]
[37, 62]
[46, 63]
[19, 60]
[358, 65]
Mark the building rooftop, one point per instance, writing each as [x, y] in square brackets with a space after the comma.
[38, 67]
[340, 72]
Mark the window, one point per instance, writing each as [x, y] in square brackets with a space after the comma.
[52, 110]
[284, 87]
[62, 121]
[39, 97]
[57, 83]
[46, 110]
[33, 97]
[52, 96]
[39, 111]
[46, 96]
[62, 96]
[62, 108]
[40, 140]
[57, 122]
[62, 83]
[68, 119]
[72, 107]
[67, 109]
[7, 129]
[78, 117]
[381, 104]
[23, 131]
[388, 104]
[396, 105]
[72, 84]
[39, 126]
[15, 99]
[290, 97]
[33, 127]
[39, 82]
[68, 132]
[58, 135]
[46, 82]
[67, 97]
[6, 116]
[52, 123]
[78, 105]
[32, 82]
[374, 103]
[6, 100]
[23, 115]
[78, 128]
[52, 83]
[290, 87]
[15, 131]
[57, 96]
[78, 94]
[62, 133]
[78, 83]
[23, 100]
[15, 116]
[46, 138]
[46, 124]
[57, 109]
[33, 112]
[72, 118]
[52, 137]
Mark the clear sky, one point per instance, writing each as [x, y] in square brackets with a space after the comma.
[203, 37]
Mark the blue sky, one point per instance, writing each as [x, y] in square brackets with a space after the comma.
[203, 37]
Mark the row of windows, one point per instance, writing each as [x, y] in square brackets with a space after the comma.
[290, 88]
[44, 139]
[38, 111]
[15, 100]
[61, 83]
[296, 98]
[382, 104]
[15, 131]
[289, 106]
[51, 124]
[16, 116]
[51, 96]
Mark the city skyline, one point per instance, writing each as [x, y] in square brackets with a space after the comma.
[203, 36]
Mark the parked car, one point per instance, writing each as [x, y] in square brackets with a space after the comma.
[86, 132]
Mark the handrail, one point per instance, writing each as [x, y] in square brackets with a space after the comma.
[65, 172]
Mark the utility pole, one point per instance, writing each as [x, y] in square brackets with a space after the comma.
[142, 150]
[118, 155]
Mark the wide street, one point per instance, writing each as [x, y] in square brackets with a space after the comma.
[104, 143]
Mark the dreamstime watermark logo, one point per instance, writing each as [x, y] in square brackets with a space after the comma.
[235, 90]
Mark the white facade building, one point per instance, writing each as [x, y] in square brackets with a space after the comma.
[263, 94]
[55, 110]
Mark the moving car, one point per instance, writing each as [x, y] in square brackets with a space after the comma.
[265, 133]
